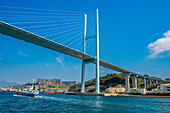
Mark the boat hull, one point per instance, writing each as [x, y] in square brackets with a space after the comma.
[27, 94]
[51, 91]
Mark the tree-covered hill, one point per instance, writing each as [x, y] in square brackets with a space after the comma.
[109, 80]
[112, 80]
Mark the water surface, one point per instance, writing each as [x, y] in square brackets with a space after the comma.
[76, 103]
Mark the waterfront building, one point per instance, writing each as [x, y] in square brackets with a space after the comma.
[164, 88]
[117, 89]
[63, 89]
[135, 90]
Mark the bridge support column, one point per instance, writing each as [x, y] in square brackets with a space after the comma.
[83, 62]
[156, 81]
[134, 81]
[144, 82]
[83, 78]
[150, 81]
[127, 75]
[147, 82]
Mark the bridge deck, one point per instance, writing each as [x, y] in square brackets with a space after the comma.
[19, 33]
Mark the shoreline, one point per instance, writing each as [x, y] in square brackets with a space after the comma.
[110, 94]
[149, 96]
[120, 95]
[129, 95]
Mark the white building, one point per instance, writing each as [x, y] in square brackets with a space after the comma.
[164, 88]
[135, 90]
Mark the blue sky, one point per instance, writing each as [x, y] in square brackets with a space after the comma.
[134, 35]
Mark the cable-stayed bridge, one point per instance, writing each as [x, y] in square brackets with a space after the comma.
[19, 33]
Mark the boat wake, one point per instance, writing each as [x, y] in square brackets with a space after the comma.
[46, 97]
[19, 96]
[38, 96]
[42, 97]
[27, 96]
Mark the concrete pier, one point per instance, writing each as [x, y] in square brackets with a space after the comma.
[144, 82]
[83, 78]
[156, 81]
[134, 81]
[127, 75]
[147, 81]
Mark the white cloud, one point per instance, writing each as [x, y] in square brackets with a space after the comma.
[160, 46]
[0, 54]
[76, 67]
[20, 53]
[103, 71]
[60, 60]
[47, 64]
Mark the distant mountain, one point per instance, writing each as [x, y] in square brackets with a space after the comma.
[4, 83]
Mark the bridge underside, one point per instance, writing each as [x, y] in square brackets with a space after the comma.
[19, 33]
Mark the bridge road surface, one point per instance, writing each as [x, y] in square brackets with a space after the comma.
[19, 33]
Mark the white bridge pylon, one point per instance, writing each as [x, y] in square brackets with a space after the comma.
[96, 60]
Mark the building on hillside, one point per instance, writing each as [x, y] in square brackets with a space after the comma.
[41, 81]
[117, 89]
[70, 82]
[53, 81]
[49, 81]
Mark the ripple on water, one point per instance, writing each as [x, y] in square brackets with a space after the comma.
[77, 103]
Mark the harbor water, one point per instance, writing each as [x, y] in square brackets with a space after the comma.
[9, 102]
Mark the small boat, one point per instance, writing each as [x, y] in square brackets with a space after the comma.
[28, 91]
[30, 94]
[53, 91]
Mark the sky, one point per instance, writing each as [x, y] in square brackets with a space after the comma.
[134, 35]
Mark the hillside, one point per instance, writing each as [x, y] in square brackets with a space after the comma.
[152, 86]
[109, 80]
